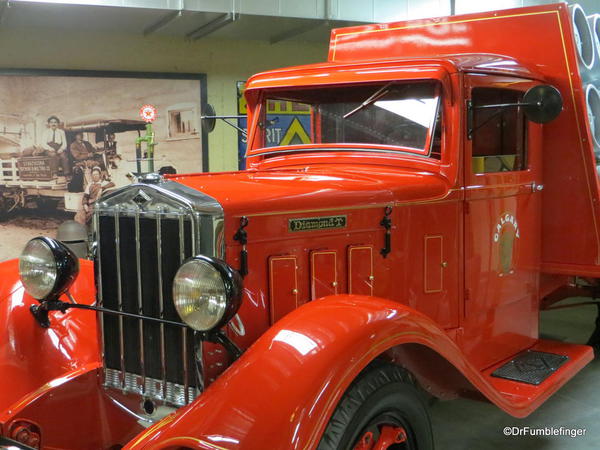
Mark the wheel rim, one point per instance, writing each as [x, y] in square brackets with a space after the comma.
[384, 432]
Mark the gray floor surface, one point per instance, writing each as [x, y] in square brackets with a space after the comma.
[467, 424]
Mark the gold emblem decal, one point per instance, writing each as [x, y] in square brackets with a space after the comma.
[505, 234]
[317, 223]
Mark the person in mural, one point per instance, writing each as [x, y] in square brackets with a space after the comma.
[54, 142]
[92, 193]
[81, 150]
[84, 152]
[85, 156]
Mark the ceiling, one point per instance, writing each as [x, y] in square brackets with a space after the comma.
[267, 20]
[160, 17]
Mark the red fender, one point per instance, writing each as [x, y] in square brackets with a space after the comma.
[283, 390]
[34, 360]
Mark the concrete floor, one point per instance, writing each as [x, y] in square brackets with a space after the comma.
[472, 425]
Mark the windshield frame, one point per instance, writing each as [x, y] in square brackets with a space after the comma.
[441, 92]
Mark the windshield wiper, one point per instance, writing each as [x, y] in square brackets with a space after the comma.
[372, 99]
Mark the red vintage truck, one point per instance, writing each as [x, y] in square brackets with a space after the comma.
[449, 193]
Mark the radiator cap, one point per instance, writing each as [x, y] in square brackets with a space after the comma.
[151, 178]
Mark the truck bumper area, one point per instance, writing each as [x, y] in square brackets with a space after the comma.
[50, 379]
[72, 412]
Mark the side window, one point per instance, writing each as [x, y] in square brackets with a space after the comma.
[499, 134]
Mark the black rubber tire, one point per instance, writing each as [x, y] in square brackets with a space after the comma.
[382, 389]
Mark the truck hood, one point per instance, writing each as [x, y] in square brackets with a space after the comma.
[315, 188]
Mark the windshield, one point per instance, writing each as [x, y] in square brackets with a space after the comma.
[395, 117]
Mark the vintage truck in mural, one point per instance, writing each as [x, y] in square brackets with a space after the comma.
[27, 180]
[448, 194]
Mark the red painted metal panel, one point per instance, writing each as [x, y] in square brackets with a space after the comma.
[502, 250]
[434, 264]
[283, 286]
[361, 278]
[324, 279]
[326, 355]
[432, 251]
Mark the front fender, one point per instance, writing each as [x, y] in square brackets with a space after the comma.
[33, 359]
[282, 391]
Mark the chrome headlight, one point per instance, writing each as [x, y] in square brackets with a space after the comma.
[47, 268]
[206, 292]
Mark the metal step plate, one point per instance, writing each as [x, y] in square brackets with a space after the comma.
[530, 367]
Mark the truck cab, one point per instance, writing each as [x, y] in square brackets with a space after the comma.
[402, 248]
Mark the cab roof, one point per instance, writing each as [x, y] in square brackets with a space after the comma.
[414, 67]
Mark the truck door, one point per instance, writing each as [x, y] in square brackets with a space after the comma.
[502, 221]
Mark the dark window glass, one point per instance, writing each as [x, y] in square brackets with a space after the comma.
[398, 117]
[499, 142]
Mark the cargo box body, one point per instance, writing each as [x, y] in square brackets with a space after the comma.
[571, 213]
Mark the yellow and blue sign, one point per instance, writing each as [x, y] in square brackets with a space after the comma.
[290, 124]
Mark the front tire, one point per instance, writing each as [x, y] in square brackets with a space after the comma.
[381, 409]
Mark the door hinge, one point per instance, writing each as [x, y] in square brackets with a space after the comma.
[386, 223]
[470, 119]
[241, 236]
[467, 295]
[467, 208]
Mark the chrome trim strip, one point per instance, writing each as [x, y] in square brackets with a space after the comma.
[181, 240]
[196, 224]
[119, 295]
[183, 330]
[151, 214]
[161, 302]
[194, 200]
[153, 387]
[100, 301]
[186, 382]
[195, 250]
[138, 261]
[199, 360]
[346, 150]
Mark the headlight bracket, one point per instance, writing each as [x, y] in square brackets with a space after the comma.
[40, 312]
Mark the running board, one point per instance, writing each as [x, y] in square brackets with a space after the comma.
[527, 379]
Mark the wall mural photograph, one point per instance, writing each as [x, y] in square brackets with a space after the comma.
[66, 138]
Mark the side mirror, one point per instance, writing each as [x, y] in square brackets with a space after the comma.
[542, 103]
[208, 118]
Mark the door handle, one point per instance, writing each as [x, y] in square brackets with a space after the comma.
[536, 187]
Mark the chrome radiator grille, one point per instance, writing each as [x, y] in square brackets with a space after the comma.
[137, 257]
[143, 232]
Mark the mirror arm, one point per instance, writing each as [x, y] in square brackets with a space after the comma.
[224, 119]
[241, 130]
[470, 129]
[505, 105]
[471, 108]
